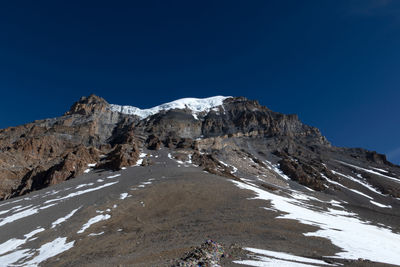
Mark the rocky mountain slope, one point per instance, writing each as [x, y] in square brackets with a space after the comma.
[198, 156]
[47, 152]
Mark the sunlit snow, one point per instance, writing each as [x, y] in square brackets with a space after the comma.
[50, 249]
[274, 258]
[65, 218]
[94, 220]
[14, 243]
[357, 238]
[123, 196]
[196, 105]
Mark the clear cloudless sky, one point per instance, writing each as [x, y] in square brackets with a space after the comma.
[334, 63]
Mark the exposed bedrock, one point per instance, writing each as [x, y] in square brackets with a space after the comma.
[50, 151]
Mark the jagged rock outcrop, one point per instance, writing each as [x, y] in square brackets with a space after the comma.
[208, 254]
[123, 155]
[47, 152]
[50, 151]
[305, 174]
[88, 106]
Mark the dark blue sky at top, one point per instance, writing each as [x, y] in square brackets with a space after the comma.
[334, 63]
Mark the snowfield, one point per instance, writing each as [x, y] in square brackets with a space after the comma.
[196, 105]
[273, 259]
[357, 238]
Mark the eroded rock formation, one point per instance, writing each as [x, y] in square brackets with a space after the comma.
[50, 151]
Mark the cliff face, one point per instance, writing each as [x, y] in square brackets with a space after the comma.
[47, 152]
[50, 151]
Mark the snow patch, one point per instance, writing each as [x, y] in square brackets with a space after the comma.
[381, 170]
[113, 176]
[81, 192]
[65, 218]
[19, 215]
[123, 196]
[371, 171]
[16, 208]
[84, 185]
[275, 168]
[350, 189]
[49, 250]
[9, 259]
[274, 258]
[14, 243]
[343, 228]
[93, 220]
[380, 205]
[361, 182]
[360, 193]
[96, 234]
[196, 105]
[234, 169]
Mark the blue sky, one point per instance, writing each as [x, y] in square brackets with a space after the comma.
[334, 63]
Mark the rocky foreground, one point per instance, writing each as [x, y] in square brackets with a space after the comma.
[224, 181]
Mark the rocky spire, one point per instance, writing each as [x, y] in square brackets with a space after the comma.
[88, 105]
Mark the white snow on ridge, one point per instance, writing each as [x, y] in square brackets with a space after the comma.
[197, 105]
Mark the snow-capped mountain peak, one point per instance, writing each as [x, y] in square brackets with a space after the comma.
[197, 105]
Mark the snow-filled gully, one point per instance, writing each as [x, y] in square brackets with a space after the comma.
[357, 238]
